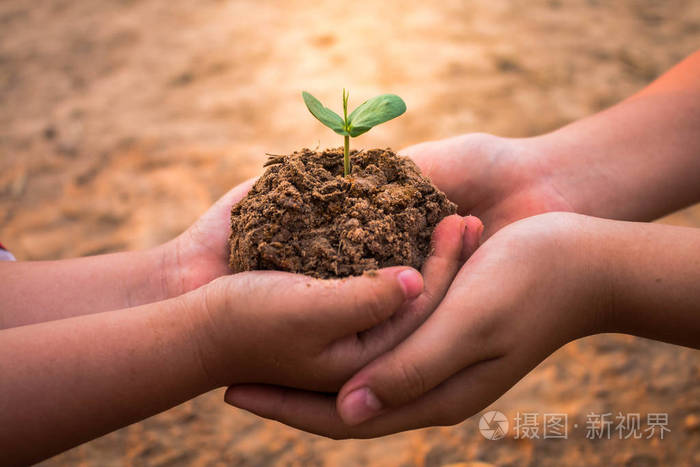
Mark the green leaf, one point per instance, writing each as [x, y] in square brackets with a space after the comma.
[324, 115]
[375, 111]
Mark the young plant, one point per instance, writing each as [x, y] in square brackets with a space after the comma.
[369, 114]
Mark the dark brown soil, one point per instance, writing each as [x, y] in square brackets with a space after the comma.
[303, 216]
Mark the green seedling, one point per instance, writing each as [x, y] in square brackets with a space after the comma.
[369, 114]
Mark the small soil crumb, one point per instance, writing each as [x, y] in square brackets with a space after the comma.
[303, 216]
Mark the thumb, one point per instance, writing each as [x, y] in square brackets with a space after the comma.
[208, 229]
[341, 307]
[472, 236]
[440, 348]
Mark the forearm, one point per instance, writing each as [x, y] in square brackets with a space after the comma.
[637, 160]
[34, 292]
[653, 271]
[69, 381]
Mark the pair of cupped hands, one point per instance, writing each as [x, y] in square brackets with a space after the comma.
[377, 354]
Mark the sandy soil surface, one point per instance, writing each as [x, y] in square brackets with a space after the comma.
[122, 121]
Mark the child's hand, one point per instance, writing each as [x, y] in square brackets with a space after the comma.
[109, 369]
[280, 328]
[277, 327]
[528, 290]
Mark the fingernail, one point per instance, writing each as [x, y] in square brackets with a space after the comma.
[360, 405]
[411, 282]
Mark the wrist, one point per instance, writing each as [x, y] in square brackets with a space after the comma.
[560, 163]
[176, 265]
[187, 264]
[581, 276]
[207, 312]
[137, 276]
[597, 253]
[175, 332]
[653, 281]
[616, 165]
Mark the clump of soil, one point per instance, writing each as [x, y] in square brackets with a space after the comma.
[303, 216]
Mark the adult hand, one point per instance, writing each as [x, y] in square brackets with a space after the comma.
[499, 180]
[525, 292]
[616, 164]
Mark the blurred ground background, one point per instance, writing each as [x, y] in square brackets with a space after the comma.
[122, 121]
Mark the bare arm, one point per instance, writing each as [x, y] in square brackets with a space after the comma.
[68, 381]
[34, 292]
[654, 276]
[637, 160]
[65, 382]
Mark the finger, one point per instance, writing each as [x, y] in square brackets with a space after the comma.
[420, 154]
[334, 308]
[358, 303]
[458, 398]
[208, 230]
[236, 194]
[222, 207]
[473, 231]
[438, 271]
[306, 410]
[447, 342]
[354, 351]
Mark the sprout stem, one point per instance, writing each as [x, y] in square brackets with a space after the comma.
[369, 114]
[346, 148]
[346, 157]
